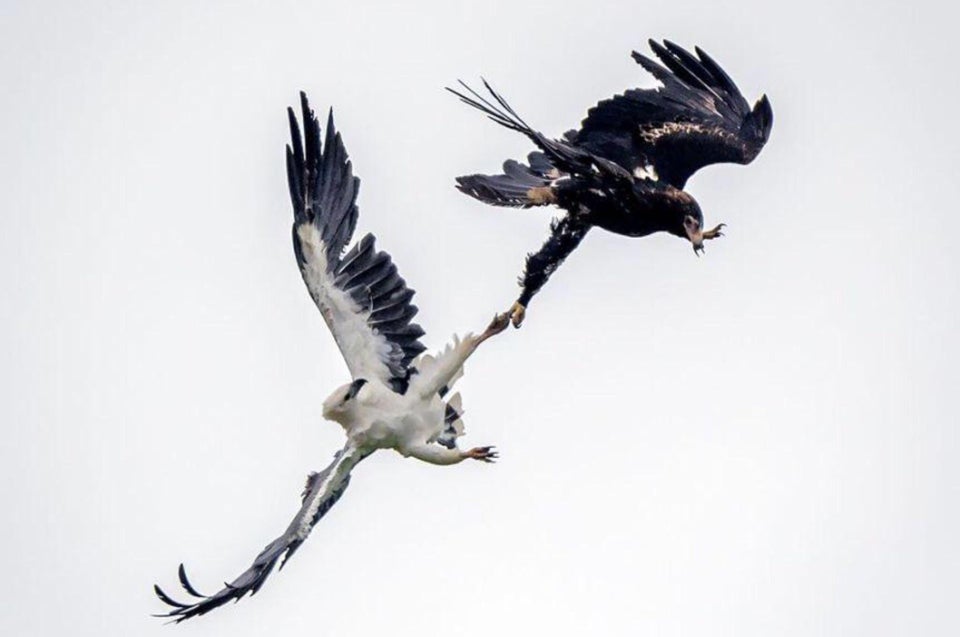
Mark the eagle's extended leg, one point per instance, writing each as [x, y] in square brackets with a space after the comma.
[698, 236]
[565, 235]
[715, 232]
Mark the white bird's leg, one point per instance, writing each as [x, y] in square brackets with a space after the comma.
[447, 365]
[484, 454]
[497, 325]
[435, 454]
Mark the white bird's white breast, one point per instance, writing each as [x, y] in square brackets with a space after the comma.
[382, 418]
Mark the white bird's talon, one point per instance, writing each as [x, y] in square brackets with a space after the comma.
[483, 454]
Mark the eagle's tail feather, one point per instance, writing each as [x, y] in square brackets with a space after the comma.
[520, 185]
[563, 154]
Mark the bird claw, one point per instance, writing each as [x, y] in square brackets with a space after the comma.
[715, 232]
[497, 325]
[483, 454]
[517, 313]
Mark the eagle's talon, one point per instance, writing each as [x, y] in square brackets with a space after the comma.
[517, 313]
[715, 232]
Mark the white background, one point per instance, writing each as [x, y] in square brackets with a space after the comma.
[759, 442]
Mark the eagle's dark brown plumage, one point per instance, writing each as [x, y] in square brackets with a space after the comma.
[625, 169]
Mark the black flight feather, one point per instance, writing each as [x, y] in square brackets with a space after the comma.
[324, 193]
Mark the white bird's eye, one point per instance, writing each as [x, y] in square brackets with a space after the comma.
[354, 388]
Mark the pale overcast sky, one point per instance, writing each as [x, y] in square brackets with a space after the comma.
[759, 442]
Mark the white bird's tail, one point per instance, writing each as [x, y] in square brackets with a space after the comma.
[452, 423]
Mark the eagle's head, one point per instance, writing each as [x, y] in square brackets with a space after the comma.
[693, 229]
[340, 406]
[686, 218]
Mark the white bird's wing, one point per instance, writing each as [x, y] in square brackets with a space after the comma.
[321, 492]
[364, 301]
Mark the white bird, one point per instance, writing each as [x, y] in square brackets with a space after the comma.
[394, 401]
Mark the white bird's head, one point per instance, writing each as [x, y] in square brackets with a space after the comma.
[340, 405]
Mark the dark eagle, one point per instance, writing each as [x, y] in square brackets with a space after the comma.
[625, 169]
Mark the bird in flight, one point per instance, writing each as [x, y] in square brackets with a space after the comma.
[626, 168]
[398, 397]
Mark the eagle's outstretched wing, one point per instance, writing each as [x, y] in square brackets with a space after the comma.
[321, 492]
[363, 300]
[697, 118]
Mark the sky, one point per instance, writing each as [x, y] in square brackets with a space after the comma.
[760, 441]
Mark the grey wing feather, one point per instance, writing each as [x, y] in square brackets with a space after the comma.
[322, 491]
